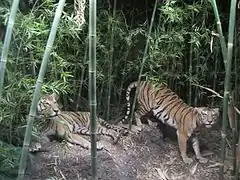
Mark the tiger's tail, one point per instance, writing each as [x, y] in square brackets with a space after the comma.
[129, 89]
[116, 128]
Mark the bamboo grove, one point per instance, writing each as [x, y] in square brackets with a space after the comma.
[44, 51]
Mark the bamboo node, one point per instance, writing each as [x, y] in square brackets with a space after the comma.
[226, 93]
[25, 145]
[31, 115]
[4, 60]
[93, 133]
[230, 45]
[215, 34]
[223, 134]
[48, 47]
[218, 22]
[39, 81]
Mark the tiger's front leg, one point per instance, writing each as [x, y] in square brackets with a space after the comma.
[182, 142]
[139, 125]
[195, 144]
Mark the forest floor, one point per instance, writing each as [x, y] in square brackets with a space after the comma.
[143, 156]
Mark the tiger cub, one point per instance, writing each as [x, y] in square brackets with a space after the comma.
[167, 107]
[70, 126]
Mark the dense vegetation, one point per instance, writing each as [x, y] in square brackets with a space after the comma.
[179, 54]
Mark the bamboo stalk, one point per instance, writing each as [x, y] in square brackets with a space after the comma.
[92, 83]
[219, 29]
[81, 78]
[32, 113]
[110, 62]
[142, 64]
[190, 66]
[197, 72]
[126, 55]
[238, 160]
[234, 129]
[7, 41]
[215, 73]
[227, 82]
[236, 132]
[234, 142]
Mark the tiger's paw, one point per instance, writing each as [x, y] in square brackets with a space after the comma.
[202, 160]
[124, 132]
[136, 129]
[187, 160]
[99, 147]
[115, 140]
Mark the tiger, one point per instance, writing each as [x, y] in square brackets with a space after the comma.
[166, 106]
[72, 126]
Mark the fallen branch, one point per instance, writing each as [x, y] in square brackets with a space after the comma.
[217, 95]
[211, 90]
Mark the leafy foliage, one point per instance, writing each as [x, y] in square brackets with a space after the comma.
[67, 70]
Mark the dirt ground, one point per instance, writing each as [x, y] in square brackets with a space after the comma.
[143, 156]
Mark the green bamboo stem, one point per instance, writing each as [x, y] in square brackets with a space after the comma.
[190, 66]
[7, 41]
[227, 82]
[215, 73]
[234, 129]
[234, 142]
[219, 29]
[92, 83]
[32, 113]
[126, 55]
[81, 78]
[197, 72]
[238, 164]
[110, 61]
[190, 74]
[142, 64]
[80, 87]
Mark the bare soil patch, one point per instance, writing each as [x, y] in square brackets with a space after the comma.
[143, 156]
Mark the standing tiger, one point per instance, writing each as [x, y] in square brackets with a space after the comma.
[166, 106]
[70, 126]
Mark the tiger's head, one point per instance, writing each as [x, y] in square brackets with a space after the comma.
[207, 116]
[47, 106]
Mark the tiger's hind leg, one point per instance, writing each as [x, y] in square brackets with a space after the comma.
[101, 130]
[139, 126]
[77, 139]
[195, 144]
[135, 128]
[182, 142]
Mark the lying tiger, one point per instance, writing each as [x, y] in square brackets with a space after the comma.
[166, 106]
[70, 126]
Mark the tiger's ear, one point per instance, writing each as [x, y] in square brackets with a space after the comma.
[55, 96]
[216, 110]
[199, 109]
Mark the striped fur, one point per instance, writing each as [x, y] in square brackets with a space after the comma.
[71, 125]
[167, 107]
